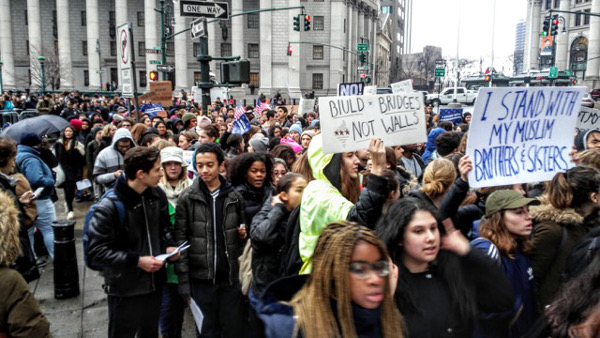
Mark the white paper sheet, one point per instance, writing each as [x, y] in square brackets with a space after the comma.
[165, 256]
[197, 313]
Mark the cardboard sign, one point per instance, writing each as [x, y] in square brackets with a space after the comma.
[454, 115]
[160, 92]
[589, 118]
[351, 122]
[351, 89]
[402, 87]
[522, 135]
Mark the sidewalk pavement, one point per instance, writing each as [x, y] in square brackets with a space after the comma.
[87, 314]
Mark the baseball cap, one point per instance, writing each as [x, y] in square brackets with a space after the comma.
[506, 199]
[171, 154]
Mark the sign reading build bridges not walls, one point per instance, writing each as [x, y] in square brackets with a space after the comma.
[522, 135]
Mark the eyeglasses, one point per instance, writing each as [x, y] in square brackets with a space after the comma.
[362, 269]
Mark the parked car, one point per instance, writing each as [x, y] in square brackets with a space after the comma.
[595, 94]
[447, 96]
[587, 101]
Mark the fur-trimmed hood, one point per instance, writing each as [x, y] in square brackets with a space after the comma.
[547, 212]
[9, 230]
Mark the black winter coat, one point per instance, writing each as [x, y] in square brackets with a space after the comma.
[71, 161]
[253, 200]
[118, 247]
[268, 238]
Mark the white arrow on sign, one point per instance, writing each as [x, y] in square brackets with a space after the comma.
[198, 28]
[219, 10]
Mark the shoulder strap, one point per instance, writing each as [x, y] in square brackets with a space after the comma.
[110, 194]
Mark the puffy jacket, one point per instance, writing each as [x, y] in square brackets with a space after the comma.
[323, 203]
[35, 170]
[72, 160]
[194, 223]
[110, 159]
[117, 247]
[268, 237]
[253, 200]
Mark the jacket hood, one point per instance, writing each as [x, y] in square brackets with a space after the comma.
[121, 134]
[581, 139]
[547, 212]
[325, 167]
[9, 230]
[431, 138]
[27, 149]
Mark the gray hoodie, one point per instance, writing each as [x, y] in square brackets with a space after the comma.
[110, 159]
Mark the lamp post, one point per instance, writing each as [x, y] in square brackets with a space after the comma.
[1, 87]
[42, 59]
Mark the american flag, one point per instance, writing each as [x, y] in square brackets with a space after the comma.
[260, 106]
[239, 111]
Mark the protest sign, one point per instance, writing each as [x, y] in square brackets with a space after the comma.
[522, 135]
[241, 125]
[454, 115]
[370, 90]
[160, 92]
[306, 105]
[589, 118]
[350, 89]
[402, 87]
[351, 122]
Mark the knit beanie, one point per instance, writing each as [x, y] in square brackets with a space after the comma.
[295, 128]
[76, 124]
[187, 117]
[30, 139]
[259, 144]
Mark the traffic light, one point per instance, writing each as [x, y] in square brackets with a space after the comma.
[297, 23]
[289, 50]
[153, 75]
[554, 26]
[546, 26]
[362, 58]
[487, 78]
[307, 23]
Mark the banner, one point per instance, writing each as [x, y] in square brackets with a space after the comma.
[350, 89]
[351, 122]
[402, 87]
[522, 135]
[241, 125]
[589, 118]
[454, 115]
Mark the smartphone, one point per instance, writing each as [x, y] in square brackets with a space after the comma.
[37, 193]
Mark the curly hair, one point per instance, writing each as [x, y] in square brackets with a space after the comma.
[239, 166]
[10, 247]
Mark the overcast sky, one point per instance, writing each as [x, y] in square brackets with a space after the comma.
[435, 23]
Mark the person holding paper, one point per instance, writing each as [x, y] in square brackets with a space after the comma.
[134, 278]
[210, 216]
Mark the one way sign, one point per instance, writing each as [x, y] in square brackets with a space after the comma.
[204, 9]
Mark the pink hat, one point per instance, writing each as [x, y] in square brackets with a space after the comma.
[288, 141]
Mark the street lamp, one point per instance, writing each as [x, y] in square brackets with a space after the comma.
[42, 59]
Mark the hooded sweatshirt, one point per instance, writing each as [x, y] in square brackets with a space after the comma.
[430, 147]
[581, 139]
[110, 159]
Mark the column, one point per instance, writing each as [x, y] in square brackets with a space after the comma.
[361, 22]
[534, 48]
[266, 48]
[349, 28]
[337, 37]
[355, 63]
[64, 44]
[213, 30]
[93, 37]
[593, 64]
[237, 34]
[35, 41]
[121, 17]
[294, 60]
[150, 35]
[181, 47]
[562, 40]
[6, 47]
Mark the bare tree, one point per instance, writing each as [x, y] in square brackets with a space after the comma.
[52, 70]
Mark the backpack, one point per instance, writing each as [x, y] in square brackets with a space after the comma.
[582, 254]
[110, 194]
[291, 262]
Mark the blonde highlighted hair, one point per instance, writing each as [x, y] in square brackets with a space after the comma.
[438, 177]
[10, 247]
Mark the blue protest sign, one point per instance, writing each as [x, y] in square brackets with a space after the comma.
[522, 135]
[454, 115]
[151, 109]
[241, 125]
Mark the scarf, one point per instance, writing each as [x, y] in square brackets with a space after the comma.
[173, 193]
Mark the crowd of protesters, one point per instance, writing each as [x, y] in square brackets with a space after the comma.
[286, 240]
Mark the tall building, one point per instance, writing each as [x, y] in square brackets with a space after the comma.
[577, 44]
[519, 48]
[401, 28]
[78, 40]
[420, 67]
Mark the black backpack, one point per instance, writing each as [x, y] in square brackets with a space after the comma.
[291, 263]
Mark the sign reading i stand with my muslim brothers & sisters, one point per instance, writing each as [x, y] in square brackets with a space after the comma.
[522, 135]
[350, 122]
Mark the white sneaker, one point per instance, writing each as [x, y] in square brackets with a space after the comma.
[70, 215]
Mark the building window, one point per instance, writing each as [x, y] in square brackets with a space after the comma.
[140, 19]
[196, 49]
[548, 4]
[84, 48]
[197, 77]
[556, 3]
[112, 28]
[387, 9]
[253, 21]
[27, 46]
[141, 48]
[143, 80]
[319, 23]
[170, 48]
[317, 52]
[586, 18]
[55, 47]
[253, 50]
[26, 22]
[83, 18]
[54, 25]
[225, 49]
[254, 80]
[113, 48]
[86, 77]
[344, 25]
[317, 81]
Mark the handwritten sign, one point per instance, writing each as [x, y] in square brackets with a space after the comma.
[402, 87]
[350, 89]
[522, 135]
[160, 92]
[351, 122]
[454, 115]
[306, 105]
[589, 118]
[370, 90]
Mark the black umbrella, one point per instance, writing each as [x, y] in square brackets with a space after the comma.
[40, 125]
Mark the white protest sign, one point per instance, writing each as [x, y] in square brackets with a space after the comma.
[589, 118]
[402, 87]
[370, 90]
[306, 105]
[522, 135]
[350, 89]
[349, 123]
